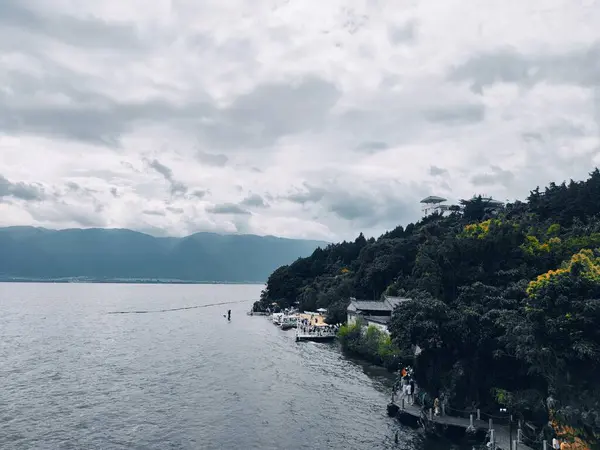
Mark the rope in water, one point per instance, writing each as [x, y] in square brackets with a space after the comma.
[177, 309]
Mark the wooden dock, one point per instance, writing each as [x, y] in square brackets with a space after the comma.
[501, 432]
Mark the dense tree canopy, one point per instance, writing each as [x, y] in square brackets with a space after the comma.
[506, 306]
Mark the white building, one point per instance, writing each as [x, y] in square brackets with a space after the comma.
[433, 204]
[373, 312]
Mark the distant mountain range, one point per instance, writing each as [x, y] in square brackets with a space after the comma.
[39, 254]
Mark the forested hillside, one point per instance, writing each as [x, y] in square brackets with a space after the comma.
[506, 308]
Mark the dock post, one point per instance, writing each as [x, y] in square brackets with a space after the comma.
[403, 403]
[471, 420]
[491, 424]
[478, 414]
[443, 409]
[516, 445]
[430, 414]
[493, 438]
[519, 435]
[545, 445]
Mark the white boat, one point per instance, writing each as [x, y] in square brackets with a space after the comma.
[288, 322]
[277, 317]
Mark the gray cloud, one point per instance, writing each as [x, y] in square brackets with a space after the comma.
[21, 190]
[382, 204]
[406, 116]
[456, 115]
[227, 208]
[175, 210]
[496, 176]
[310, 194]
[88, 32]
[153, 212]
[532, 136]
[402, 34]
[351, 207]
[89, 115]
[242, 224]
[212, 159]
[72, 186]
[63, 212]
[578, 67]
[436, 171]
[271, 111]
[114, 192]
[254, 120]
[381, 207]
[177, 187]
[372, 146]
[199, 194]
[77, 189]
[254, 200]
[162, 169]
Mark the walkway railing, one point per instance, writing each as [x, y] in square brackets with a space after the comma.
[499, 426]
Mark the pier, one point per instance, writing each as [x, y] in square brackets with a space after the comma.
[312, 327]
[500, 434]
[315, 333]
[315, 337]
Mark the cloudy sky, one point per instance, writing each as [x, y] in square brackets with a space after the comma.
[297, 118]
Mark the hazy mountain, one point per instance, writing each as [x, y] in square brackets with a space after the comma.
[38, 253]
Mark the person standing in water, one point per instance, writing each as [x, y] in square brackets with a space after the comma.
[228, 314]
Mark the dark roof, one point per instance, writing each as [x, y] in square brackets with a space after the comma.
[395, 301]
[386, 305]
[433, 199]
[370, 305]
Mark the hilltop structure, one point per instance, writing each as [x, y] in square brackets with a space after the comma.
[433, 204]
[436, 205]
[491, 205]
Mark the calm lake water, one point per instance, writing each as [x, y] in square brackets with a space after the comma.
[74, 376]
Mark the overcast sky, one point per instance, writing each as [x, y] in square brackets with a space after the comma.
[297, 118]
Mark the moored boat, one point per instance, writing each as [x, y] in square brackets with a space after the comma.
[276, 318]
[288, 322]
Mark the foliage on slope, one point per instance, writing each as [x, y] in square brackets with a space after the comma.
[502, 304]
[370, 343]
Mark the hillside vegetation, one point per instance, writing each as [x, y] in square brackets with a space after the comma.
[505, 308]
[38, 253]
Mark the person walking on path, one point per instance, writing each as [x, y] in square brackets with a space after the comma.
[408, 392]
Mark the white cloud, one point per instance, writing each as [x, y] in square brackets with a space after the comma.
[290, 118]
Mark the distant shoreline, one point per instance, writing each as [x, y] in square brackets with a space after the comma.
[119, 281]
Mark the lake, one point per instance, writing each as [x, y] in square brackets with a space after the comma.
[75, 376]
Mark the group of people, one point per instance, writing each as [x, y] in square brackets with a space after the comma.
[307, 326]
[408, 388]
